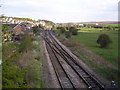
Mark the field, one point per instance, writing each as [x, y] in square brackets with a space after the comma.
[86, 29]
[88, 39]
[89, 29]
[114, 25]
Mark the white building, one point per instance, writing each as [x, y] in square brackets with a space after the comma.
[42, 23]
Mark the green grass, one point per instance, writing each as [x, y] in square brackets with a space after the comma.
[109, 73]
[87, 29]
[114, 25]
[88, 39]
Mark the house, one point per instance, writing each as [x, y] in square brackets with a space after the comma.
[24, 28]
[42, 23]
[12, 25]
[16, 32]
[18, 29]
[80, 24]
[29, 32]
[16, 36]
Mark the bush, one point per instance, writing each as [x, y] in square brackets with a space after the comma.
[67, 28]
[37, 29]
[104, 40]
[25, 43]
[67, 34]
[5, 27]
[73, 30]
[62, 29]
[12, 75]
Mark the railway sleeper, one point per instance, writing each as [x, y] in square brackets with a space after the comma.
[86, 76]
[90, 81]
[65, 83]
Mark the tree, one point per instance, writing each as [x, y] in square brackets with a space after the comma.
[67, 28]
[25, 43]
[62, 29]
[12, 75]
[5, 27]
[104, 40]
[67, 34]
[35, 29]
[73, 30]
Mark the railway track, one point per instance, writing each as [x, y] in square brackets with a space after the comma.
[69, 73]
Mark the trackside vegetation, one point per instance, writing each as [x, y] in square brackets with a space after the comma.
[87, 46]
[22, 63]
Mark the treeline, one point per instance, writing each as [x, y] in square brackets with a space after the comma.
[68, 31]
[104, 26]
[104, 40]
[17, 18]
[26, 19]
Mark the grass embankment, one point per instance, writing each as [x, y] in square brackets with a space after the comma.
[22, 64]
[87, 40]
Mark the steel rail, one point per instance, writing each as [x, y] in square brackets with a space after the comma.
[64, 53]
[60, 81]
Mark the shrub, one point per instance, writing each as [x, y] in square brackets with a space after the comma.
[67, 34]
[73, 30]
[62, 29]
[67, 28]
[37, 58]
[37, 29]
[104, 40]
[12, 75]
[25, 43]
[5, 27]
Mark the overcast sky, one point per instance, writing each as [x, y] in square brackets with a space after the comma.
[62, 10]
